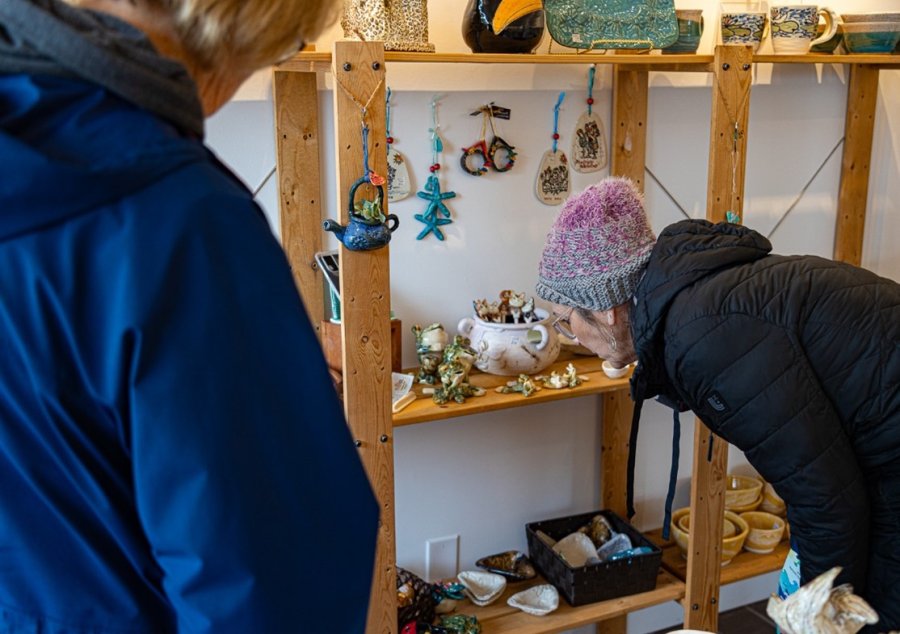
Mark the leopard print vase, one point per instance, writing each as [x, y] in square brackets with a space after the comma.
[401, 24]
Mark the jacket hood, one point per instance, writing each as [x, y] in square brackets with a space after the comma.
[685, 253]
[61, 70]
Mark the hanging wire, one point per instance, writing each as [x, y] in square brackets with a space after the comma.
[387, 113]
[559, 101]
[667, 193]
[265, 180]
[437, 146]
[805, 187]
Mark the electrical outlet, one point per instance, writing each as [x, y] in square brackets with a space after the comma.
[441, 558]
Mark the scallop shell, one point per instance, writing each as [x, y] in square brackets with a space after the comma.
[483, 588]
[512, 564]
[539, 600]
[576, 549]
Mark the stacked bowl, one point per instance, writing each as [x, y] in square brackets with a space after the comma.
[870, 32]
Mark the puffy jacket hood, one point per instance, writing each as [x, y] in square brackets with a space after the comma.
[712, 247]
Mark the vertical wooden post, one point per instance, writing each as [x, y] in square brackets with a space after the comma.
[365, 307]
[629, 124]
[297, 159]
[629, 151]
[617, 410]
[732, 76]
[862, 96]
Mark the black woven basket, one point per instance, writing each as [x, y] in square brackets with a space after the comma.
[594, 582]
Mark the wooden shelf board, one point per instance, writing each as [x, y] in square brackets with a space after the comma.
[744, 566]
[499, 618]
[423, 409]
[321, 61]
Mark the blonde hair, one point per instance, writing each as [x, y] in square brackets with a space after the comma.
[253, 33]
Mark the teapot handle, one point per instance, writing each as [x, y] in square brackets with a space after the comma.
[352, 197]
[392, 218]
[465, 326]
[545, 336]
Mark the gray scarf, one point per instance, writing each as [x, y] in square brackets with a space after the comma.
[48, 37]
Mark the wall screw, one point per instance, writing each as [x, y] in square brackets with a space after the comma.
[695, 607]
[713, 601]
[383, 438]
[347, 66]
[726, 66]
[357, 443]
[746, 66]
[376, 65]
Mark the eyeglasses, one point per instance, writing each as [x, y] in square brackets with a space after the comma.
[562, 326]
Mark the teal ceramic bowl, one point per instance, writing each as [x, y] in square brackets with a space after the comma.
[871, 37]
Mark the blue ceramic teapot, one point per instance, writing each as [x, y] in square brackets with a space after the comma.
[361, 233]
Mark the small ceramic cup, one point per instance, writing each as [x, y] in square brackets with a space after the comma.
[690, 30]
[743, 24]
[794, 27]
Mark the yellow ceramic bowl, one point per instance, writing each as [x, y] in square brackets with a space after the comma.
[741, 491]
[772, 502]
[744, 509]
[728, 528]
[765, 532]
[731, 546]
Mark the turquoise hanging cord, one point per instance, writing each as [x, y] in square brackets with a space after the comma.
[387, 115]
[590, 99]
[365, 142]
[559, 101]
[437, 146]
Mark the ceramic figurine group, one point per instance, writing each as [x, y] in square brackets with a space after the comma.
[527, 385]
[444, 365]
[513, 308]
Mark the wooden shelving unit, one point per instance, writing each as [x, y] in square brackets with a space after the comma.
[365, 293]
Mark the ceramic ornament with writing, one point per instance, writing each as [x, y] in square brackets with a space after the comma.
[398, 175]
[589, 142]
[552, 185]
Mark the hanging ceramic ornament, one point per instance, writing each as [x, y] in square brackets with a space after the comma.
[589, 142]
[398, 175]
[552, 185]
[436, 215]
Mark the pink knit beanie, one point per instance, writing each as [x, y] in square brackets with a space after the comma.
[598, 247]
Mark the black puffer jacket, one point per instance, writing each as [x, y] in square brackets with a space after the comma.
[796, 361]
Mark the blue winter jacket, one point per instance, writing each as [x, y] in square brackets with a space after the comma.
[173, 456]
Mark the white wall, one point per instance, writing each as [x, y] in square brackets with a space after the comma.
[483, 477]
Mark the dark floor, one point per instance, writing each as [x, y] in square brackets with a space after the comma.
[750, 619]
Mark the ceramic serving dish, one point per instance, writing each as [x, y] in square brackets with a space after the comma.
[741, 491]
[731, 546]
[482, 588]
[539, 600]
[512, 564]
[871, 37]
[765, 531]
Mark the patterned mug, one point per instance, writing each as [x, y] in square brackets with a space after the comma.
[743, 25]
[794, 27]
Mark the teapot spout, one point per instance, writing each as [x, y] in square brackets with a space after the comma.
[335, 227]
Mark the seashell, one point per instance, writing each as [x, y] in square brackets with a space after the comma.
[576, 549]
[617, 544]
[483, 588]
[539, 600]
[512, 564]
[817, 608]
[599, 530]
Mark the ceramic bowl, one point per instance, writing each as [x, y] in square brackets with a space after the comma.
[539, 600]
[754, 505]
[871, 37]
[772, 502]
[576, 549]
[482, 588]
[890, 16]
[765, 531]
[741, 491]
[728, 528]
[731, 546]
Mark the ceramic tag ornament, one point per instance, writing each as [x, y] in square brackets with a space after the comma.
[589, 143]
[397, 173]
[552, 185]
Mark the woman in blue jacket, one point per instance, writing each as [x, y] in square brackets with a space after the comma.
[172, 453]
[793, 359]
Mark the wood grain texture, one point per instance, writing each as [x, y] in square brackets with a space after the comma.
[365, 307]
[701, 604]
[853, 194]
[629, 124]
[732, 76]
[300, 196]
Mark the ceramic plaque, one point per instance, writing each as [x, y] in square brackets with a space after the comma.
[398, 176]
[552, 186]
[589, 144]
